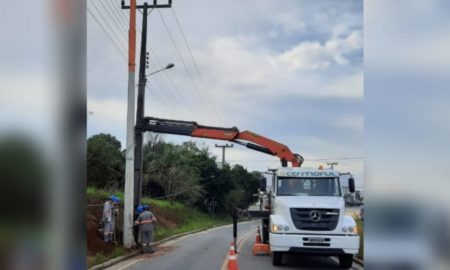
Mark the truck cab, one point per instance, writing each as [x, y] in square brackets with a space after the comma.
[308, 215]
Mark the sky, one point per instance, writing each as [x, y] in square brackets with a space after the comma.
[292, 72]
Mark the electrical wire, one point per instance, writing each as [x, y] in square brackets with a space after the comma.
[108, 36]
[185, 190]
[114, 18]
[182, 59]
[177, 96]
[118, 14]
[108, 25]
[168, 79]
[195, 65]
[316, 159]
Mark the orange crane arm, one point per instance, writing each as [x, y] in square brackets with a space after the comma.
[247, 138]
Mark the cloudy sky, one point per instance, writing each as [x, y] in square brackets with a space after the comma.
[291, 71]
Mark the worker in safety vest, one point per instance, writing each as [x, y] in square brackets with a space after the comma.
[110, 210]
[146, 222]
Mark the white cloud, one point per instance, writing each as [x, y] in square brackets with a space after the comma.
[312, 55]
[111, 110]
[240, 63]
[351, 122]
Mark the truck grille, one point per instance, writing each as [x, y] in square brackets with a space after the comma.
[311, 219]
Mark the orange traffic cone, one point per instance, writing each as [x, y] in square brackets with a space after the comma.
[258, 236]
[232, 259]
[258, 247]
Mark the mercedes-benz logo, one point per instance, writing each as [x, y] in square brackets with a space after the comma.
[314, 215]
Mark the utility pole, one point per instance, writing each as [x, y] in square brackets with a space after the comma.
[134, 191]
[331, 164]
[129, 154]
[223, 151]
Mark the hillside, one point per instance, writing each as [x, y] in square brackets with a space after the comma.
[173, 218]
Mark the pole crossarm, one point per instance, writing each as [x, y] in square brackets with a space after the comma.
[154, 5]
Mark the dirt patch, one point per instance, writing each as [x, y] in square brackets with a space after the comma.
[95, 243]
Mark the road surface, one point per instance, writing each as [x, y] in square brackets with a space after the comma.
[209, 249]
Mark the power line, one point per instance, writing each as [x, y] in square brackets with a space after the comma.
[339, 158]
[181, 57]
[163, 108]
[106, 32]
[178, 95]
[185, 190]
[110, 28]
[317, 159]
[162, 97]
[113, 17]
[119, 15]
[195, 64]
[159, 88]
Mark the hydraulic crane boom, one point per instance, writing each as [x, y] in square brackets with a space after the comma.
[254, 141]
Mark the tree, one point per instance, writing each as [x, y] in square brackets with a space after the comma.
[105, 162]
[175, 175]
[247, 183]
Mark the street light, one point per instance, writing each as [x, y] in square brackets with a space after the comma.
[169, 66]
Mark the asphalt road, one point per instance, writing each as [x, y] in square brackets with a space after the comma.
[209, 249]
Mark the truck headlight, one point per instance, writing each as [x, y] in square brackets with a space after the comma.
[350, 229]
[277, 228]
[286, 228]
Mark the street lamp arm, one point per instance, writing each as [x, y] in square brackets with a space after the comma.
[169, 66]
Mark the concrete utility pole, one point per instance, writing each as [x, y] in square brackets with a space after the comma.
[129, 155]
[331, 164]
[133, 188]
[223, 151]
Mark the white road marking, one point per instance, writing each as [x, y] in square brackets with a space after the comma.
[129, 264]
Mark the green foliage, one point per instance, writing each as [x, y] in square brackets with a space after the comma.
[187, 218]
[102, 194]
[105, 162]
[99, 258]
[174, 173]
[185, 173]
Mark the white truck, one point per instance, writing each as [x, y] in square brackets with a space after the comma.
[307, 215]
[306, 206]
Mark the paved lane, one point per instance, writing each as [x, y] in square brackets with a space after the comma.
[201, 251]
[208, 250]
[247, 261]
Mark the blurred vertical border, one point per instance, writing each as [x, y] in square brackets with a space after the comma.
[42, 134]
[407, 131]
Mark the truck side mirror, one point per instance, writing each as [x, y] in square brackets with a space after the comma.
[262, 184]
[351, 185]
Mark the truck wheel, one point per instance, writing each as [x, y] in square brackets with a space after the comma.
[277, 258]
[346, 261]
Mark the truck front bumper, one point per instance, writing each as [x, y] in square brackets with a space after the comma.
[307, 243]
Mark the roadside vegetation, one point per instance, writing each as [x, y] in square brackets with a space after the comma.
[184, 173]
[173, 218]
[181, 183]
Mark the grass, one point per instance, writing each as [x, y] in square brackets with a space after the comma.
[99, 258]
[93, 192]
[193, 221]
[188, 219]
[184, 219]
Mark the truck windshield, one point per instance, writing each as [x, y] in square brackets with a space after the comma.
[308, 187]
